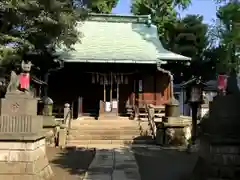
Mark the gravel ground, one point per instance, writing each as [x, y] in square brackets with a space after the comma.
[69, 164]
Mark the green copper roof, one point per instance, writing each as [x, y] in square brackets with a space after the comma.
[119, 39]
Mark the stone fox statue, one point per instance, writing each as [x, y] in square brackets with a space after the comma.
[20, 82]
[14, 83]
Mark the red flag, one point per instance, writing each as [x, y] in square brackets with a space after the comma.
[222, 82]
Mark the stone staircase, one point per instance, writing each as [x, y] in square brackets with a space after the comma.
[95, 133]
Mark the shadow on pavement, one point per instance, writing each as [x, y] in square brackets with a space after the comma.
[164, 163]
[69, 164]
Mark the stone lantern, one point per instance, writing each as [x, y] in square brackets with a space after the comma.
[48, 106]
[194, 89]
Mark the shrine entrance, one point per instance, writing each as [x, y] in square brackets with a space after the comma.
[109, 103]
[111, 99]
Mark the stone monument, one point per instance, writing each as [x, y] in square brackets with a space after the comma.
[22, 144]
[219, 149]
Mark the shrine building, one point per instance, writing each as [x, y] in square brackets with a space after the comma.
[115, 67]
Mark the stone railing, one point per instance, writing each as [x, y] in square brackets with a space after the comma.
[151, 122]
[65, 126]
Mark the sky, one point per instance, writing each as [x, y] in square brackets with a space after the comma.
[207, 8]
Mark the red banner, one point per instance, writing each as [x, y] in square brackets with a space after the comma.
[222, 82]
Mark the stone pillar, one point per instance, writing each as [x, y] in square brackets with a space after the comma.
[80, 106]
[67, 114]
[62, 136]
[22, 143]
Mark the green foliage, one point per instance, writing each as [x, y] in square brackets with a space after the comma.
[37, 26]
[189, 36]
[163, 13]
[227, 33]
[100, 6]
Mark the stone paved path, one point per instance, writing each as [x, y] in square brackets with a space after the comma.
[113, 164]
[121, 163]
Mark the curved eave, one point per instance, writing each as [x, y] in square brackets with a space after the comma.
[176, 58]
[124, 61]
[168, 55]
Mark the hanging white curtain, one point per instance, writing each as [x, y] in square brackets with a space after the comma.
[101, 80]
[122, 79]
[97, 79]
[126, 80]
[93, 78]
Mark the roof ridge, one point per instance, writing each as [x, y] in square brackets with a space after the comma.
[120, 18]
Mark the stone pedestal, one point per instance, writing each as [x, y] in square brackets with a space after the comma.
[22, 143]
[174, 131]
[24, 159]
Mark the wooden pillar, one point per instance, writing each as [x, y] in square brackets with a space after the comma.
[134, 92]
[80, 106]
[104, 92]
[155, 89]
[137, 98]
[117, 97]
[111, 84]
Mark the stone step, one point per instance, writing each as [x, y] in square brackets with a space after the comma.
[108, 142]
[102, 137]
[97, 146]
[100, 131]
[106, 128]
[121, 122]
[104, 134]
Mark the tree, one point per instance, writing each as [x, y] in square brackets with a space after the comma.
[36, 26]
[163, 13]
[99, 6]
[188, 36]
[226, 33]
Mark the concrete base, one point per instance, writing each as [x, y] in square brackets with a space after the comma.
[24, 160]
